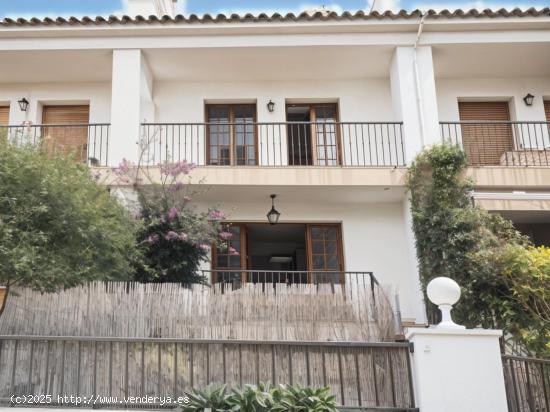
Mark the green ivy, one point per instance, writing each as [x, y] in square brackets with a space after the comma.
[457, 239]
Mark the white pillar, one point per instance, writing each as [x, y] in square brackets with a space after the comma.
[458, 370]
[413, 306]
[414, 97]
[131, 103]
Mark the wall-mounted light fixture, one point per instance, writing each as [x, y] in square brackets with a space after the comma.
[528, 99]
[273, 215]
[270, 106]
[23, 104]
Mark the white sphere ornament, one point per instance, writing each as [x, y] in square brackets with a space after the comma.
[444, 292]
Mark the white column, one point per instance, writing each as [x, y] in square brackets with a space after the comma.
[414, 97]
[458, 370]
[131, 103]
[412, 299]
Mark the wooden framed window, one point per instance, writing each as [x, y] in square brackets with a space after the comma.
[69, 130]
[325, 252]
[227, 264]
[485, 143]
[547, 110]
[313, 134]
[231, 135]
[4, 115]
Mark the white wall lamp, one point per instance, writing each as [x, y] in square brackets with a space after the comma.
[528, 99]
[23, 104]
[270, 106]
[444, 292]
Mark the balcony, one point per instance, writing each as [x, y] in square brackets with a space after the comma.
[294, 144]
[501, 143]
[86, 142]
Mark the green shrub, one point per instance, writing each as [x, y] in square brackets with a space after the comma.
[502, 286]
[58, 228]
[280, 398]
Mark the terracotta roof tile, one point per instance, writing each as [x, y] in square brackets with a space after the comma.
[276, 17]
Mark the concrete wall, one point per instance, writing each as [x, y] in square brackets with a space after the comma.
[451, 90]
[360, 100]
[97, 95]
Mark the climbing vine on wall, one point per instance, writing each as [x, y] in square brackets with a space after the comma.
[505, 280]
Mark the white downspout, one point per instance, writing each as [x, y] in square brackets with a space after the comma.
[417, 82]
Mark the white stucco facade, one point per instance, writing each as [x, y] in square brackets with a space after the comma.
[167, 73]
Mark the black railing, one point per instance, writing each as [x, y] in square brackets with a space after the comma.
[86, 142]
[109, 371]
[527, 384]
[501, 143]
[275, 144]
[289, 277]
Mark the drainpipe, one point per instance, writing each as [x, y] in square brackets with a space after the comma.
[417, 81]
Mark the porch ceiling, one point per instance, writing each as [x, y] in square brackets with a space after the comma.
[492, 60]
[55, 66]
[270, 63]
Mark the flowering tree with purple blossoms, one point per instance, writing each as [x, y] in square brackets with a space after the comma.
[175, 237]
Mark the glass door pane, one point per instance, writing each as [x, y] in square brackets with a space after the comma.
[229, 262]
[244, 135]
[326, 135]
[218, 135]
[325, 253]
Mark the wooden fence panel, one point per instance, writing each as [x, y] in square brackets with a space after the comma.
[359, 374]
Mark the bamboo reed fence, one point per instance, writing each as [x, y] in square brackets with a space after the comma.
[355, 311]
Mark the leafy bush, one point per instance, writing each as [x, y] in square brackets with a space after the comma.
[492, 261]
[292, 398]
[57, 227]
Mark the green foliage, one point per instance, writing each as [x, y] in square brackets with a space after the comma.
[478, 249]
[57, 227]
[280, 398]
[174, 237]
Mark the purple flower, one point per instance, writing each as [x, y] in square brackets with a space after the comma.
[204, 246]
[178, 168]
[171, 235]
[215, 214]
[123, 167]
[226, 235]
[152, 239]
[173, 213]
[232, 251]
[176, 186]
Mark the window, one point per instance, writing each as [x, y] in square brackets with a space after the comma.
[69, 130]
[4, 115]
[486, 142]
[229, 262]
[231, 134]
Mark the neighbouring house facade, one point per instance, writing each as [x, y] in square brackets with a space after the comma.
[323, 110]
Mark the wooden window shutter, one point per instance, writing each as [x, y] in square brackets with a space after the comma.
[547, 110]
[66, 138]
[485, 143]
[4, 115]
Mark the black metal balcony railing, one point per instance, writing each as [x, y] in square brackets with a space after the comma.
[501, 143]
[86, 142]
[275, 144]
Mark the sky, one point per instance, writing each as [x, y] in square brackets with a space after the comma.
[78, 8]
